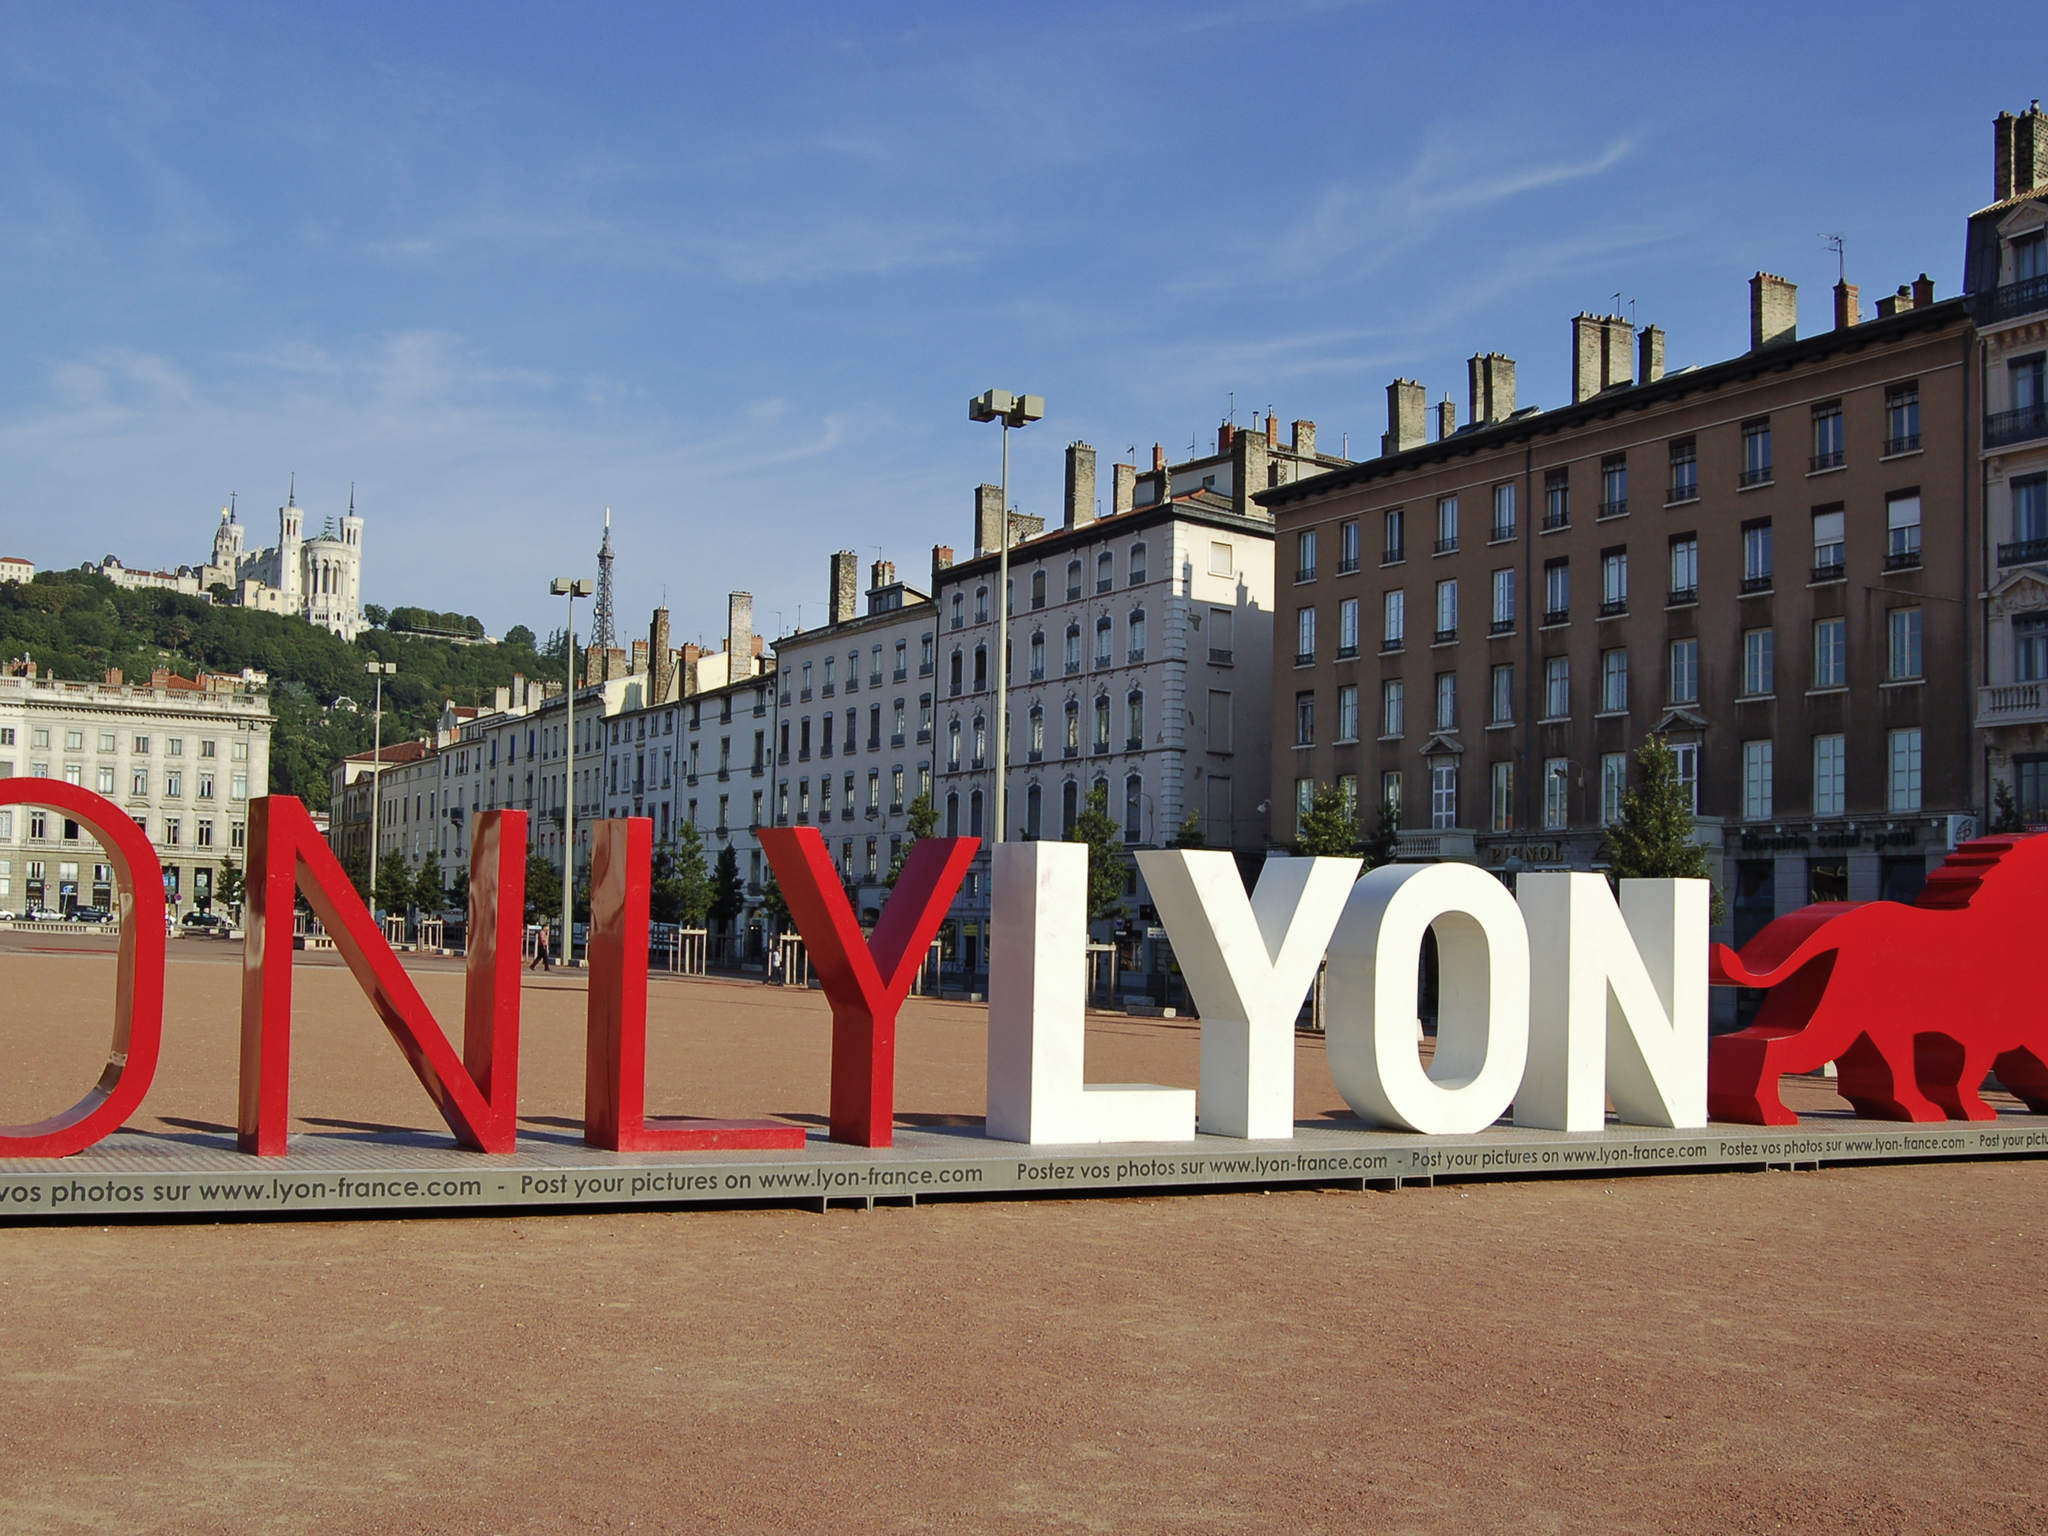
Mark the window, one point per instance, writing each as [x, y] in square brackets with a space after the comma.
[1221, 560]
[1102, 722]
[1758, 656]
[1685, 568]
[1830, 653]
[141, 743]
[2029, 257]
[1557, 591]
[1503, 600]
[1105, 628]
[1443, 794]
[1827, 436]
[1073, 656]
[2029, 520]
[1447, 609]
[980, 746]
[1393, 701]
[1394, 609]
[1613, 785]
[1557, 499]
[1682, 672]
[1105, 571]
[1304, 802]
[1347, 546]
[1503, 512]
[1074, 579]
[1134, 806]
[1557, 687]
[1902, 772]
[1347, 712]
[1902, 651]
[138, 782]
[952, 745]
[74, 741]
[1756, 452]
[1829, 770]
[1902, 530]
[1305, 719]
[1614, 680]
[1446, 524]
[1557, 793]
[1902, 418]
[1036, 743]
[1395, 548]
[106, 780]
[1447, 701]
[1305, 555]
[1685, 472]
[1613, 582]
[1827, 544]
[1390, 792]
[2027, 382]
[1134, 719]
[1756, 780]
[1501, 694]
[1614, 485]
[1036, 654]
[1073, 741]
[1756, 556]
[1347, 628]
[2030, 648]
[1501, 816]
[980, 617]
[1136, 576]
[1304, 636]
[1134, 649]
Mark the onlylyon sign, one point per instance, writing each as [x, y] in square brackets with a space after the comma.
[1553, 1001]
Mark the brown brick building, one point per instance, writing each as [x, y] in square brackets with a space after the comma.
[1768, 559]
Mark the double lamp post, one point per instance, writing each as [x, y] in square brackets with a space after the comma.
[1012, 411]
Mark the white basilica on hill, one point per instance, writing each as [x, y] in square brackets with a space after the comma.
[319, 579]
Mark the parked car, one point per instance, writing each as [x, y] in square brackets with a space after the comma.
[42, 915]
[91, 915]
[205, 922]
[6, 916]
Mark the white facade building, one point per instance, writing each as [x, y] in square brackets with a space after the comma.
[318, 579]
[183, 757]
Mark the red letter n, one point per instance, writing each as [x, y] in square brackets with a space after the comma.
[865, 983]
[478, 1094]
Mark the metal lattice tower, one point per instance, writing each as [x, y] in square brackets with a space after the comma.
[601, 627]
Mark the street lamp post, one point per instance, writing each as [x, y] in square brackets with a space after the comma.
[379, 670]
[571, 588]
[1012, 411]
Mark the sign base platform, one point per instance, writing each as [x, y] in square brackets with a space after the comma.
[199, 1175]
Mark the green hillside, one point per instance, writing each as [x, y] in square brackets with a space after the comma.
[79, 625]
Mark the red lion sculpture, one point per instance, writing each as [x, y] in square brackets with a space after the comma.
[1915, 1004]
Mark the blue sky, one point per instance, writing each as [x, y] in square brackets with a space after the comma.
[736, 270]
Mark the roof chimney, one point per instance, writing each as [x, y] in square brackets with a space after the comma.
[1406, 407]
[882, 574]
[1446, 418]
[842, 601]
[988, 519]
[739, 636]
[1923, 291]
[2001, 156]
[2029, 152]
[1158, 457]
[1617, 349]
[1585, 356]
[1080, 484]
[1123, 488]
[1848, 310]
[1492, 380]
[1272, 429]
[1305, 439]
[1773, 310]
[942, 560]
[1225, 436]
[1650, 355]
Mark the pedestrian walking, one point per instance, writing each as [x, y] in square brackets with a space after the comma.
[543, 957]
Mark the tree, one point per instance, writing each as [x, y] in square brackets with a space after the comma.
[1385, 842]
[521, 636]
[728, 895]
[680, 891]
[543, 890]
[774, 908]
[458, 893]
[1189, 833]
[2005, 811]
[1654, 839]
[1105, 840]
[429, 889]
[922, 820]
[1329, 828]
[229, 886]
[394, 882]
[357, 867]
[376, 615]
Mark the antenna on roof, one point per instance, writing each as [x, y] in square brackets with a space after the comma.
[351, 498]
[1233, 407]
[1840, 247]
[291, 496]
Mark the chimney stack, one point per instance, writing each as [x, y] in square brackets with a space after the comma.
[988, 519]
[2002, 127]
[739, 636]
[882, 574]
[1491, 378]
[1773, 310]
[1080, 485]
[1586, 352]
[1650, 355]
[1272, 429]
[661, 658]
[842, 601]
[2022, 153]
[1123, 488]
[637, 666]
[1305, 439]
[1446, 418]
[1225, 436]
[1923, 291]
[1406, 407]
[942, 560]
[1617, 351]
[692, 651]
[1848, 308]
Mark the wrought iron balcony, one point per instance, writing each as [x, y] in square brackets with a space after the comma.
[1557, 615]
[2025, 552]
[1501, 533]
[1501, 627]
[1613, 607]
[1760, 475]
[1447, 546]
[1905, 442]
[1446, 636]
[1679, 495]
[1219, 655]
[1831, 570]
[1552, 521]
[1833, 459]
[2012, 299]
[1678, 597]
[1395, 555]
[2004, 428]
[1348, 566]
[1392, 644]
[1902, 560]
[1618, 507]
[1304, 658]
[1753, 584]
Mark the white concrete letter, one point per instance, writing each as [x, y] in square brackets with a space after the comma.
[1249, 963]
[1482, 1031]
[1037, 991]
[1618, 1002]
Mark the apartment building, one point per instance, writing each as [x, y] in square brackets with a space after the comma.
[182, 756]
[2006, 277]
[854, 724]
[1767, 560]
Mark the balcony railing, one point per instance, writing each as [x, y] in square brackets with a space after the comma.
[1501, 533]
[1346, 652]
[1348, 566]
[1447, 546]
[1134, 744]
[1395, 555]
[2004, 428]
[1445, 636]
[1304, 658]
[1678, 597]
[1501, 627]
[1828, 570]
[1760, 475]
[1305, 573]
[1679, 495]
[1557, 615]
[1391, 644]
[1902, 559]
[1752, 584]
[1552, 521]
[1905, 442]
[1615, 508]
[2025, 552]
[2012, 704]
[1219, 655]
[1833, 459]
[2004, 303]
[1613, 607]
